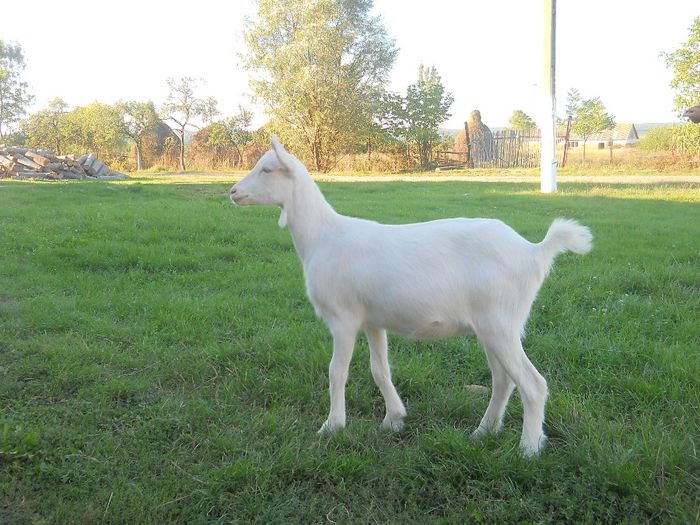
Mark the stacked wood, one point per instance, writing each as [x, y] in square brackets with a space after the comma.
[26, 163]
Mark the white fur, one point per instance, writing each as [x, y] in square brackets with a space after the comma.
[427, 280]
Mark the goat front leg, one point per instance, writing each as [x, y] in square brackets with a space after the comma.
[379, 364]
[343, 347]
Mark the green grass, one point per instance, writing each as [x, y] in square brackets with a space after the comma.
[159, 363]
[598, 171]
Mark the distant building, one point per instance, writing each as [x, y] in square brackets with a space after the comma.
[621, 135]
[625, 134]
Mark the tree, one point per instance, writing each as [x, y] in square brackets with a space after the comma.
[426, 107]
[386, 125]
[138, 119]
[183, 107]
[233, 132]
[47, 128]
[521, 121]
[96, 128]
[591, 117]
[573, 102]
[317, 67]
[415, 118]
[685, 62]
[13, 92]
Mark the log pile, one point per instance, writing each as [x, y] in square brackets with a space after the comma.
[38, 164]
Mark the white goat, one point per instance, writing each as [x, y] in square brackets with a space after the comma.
[427, 280]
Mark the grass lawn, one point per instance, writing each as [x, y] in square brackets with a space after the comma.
[160, 363]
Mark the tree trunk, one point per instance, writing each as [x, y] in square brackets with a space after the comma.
[239, 160]
[138, 156]
[584, 151]
[423, 149]
[317, 155]
[182, 149]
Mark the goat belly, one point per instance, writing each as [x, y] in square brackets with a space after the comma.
[440, 329]
[420, 320]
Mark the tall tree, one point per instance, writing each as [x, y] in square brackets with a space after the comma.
[14, 96]
[138, 119]
[521, 121]
[427, 106]
[685, 62]
[591, 117]
[573, 102]
[183, 107]
[386, 125]
[316, 68]
[47, 127]
[96, 128]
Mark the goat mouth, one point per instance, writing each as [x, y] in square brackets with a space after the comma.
[238, 200]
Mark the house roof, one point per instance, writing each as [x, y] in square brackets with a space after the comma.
[623, 131]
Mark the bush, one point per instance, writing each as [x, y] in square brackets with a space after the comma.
[657, 139]
[252, 153]
[15, 139]
[205, 153]
[686, 140]
[378, 162]
[682, 140]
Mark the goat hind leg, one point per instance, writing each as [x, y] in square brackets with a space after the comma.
[531, 386]
[501, 388]
[379, 364]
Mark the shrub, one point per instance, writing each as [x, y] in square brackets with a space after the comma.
[682, 140]
[657, 139]
[686, 140]
[378, 162]
[210, 151]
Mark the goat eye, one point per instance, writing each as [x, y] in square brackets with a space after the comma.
[266, 170]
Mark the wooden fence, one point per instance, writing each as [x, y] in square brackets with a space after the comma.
[499, 149]
[503, 149]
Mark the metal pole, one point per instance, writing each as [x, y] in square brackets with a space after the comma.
[548, 161]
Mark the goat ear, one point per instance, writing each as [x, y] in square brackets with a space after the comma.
[283, 157]
[282, 222]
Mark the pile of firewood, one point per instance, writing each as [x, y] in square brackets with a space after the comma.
[25, 163]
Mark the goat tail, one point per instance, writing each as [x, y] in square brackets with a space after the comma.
[565, 235]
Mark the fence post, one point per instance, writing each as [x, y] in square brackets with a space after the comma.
[566, 142]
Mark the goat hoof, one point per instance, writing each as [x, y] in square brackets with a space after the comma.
[534, 447]
[394, 424]
[329, 427]
[479, 433]
[482, 431]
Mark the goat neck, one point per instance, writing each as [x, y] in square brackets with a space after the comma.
[309, 216]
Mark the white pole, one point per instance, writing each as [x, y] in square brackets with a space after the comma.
[548, 160]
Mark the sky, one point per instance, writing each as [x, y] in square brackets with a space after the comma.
[489, 53]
